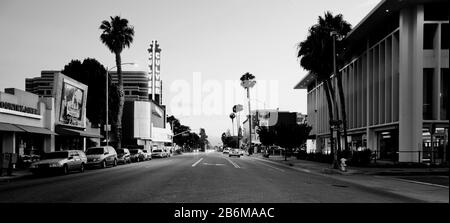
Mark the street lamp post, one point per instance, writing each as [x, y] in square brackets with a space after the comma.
[107, 101]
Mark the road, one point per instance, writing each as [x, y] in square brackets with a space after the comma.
[194, 177]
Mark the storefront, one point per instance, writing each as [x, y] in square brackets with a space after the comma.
[25, 125]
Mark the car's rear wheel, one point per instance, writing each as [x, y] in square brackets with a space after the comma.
[82, 168]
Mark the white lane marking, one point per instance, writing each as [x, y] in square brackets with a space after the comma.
[232, 163]
[193, 165]
[424, 183]
[213, 164]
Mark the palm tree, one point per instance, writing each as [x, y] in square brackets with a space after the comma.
[117, 35]
[316, 56]
[247, 82]
[232, 116]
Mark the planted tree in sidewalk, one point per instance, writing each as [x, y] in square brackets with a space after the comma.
[266, 137]
[290, 136]
[316, 56]
[117, 35]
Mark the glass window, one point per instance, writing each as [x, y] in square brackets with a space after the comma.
[428, 93]
[444, 93]
[429, 31]
[444, 36]
[436, 12]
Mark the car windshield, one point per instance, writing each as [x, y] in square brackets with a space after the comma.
[157, 151]
[56, 155]
[92, 151]
[120, 151]
[134, 151]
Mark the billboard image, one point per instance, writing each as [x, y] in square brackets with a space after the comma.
[71, 105]
[70, 101]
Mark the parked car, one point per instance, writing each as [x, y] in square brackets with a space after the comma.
[160, 153]
[137, 155]
[241, 152]
[123, 156]
[226, 150]
[61, 161]
[101, 156]
[234, 152]
[147, 154]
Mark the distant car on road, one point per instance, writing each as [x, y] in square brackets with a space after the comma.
[137, 155]
[159, 153]
[226, 150]
[147, 154]
[234, 152]
[61, 161]
[123, 156]
[101, 156]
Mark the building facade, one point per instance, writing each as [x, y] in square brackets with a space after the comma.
[136, 85]
[43, 85]
[395, 86]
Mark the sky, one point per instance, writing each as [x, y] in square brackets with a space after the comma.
[206, 47]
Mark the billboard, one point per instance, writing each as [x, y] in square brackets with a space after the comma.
[70, 101]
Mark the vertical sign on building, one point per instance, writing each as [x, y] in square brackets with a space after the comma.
[155, 72]
[150, 73]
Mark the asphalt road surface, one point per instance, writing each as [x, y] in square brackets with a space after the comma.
[196, 177]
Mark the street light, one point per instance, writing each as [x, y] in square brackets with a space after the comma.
[107, 100]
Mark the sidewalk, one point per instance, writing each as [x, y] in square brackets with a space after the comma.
[16, 174]
[377, 179]
[351, 170]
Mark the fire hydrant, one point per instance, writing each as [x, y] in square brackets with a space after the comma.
[343, 165]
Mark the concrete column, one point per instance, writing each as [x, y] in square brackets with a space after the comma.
[372, 141]
[411, 83]
[49, 143]
[9, 142]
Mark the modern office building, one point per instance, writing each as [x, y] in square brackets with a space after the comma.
[395, 86]
[43, 85]
[136, 85]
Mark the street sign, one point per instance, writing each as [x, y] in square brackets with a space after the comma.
[107, 127]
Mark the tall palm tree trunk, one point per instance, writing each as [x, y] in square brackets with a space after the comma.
[343, 111]
[338, 132]
[330, 116]
[121, 102]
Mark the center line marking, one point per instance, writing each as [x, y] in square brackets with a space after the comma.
[232, 163]
[193, 165]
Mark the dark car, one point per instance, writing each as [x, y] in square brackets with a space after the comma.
[123, 156]
[101, 156]
[61, 161]
[137, 155]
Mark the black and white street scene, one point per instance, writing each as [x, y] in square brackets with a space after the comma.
[200, 101]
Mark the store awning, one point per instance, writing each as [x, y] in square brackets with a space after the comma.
[75, 132]
[32, 129]
[9, 127]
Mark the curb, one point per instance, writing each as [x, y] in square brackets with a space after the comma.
[12, 178]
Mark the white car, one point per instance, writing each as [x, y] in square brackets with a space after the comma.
[234, 152]
[159, 153]
[226, 150]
